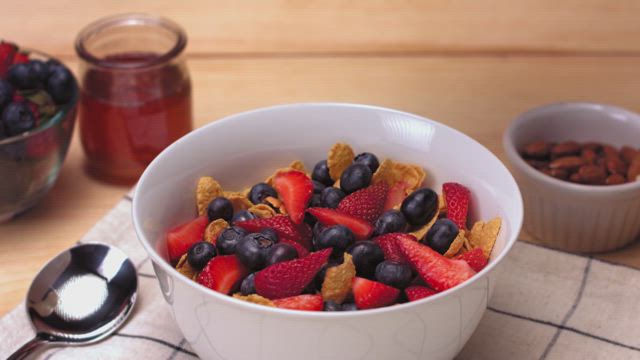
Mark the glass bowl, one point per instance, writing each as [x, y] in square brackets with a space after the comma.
[30, 162]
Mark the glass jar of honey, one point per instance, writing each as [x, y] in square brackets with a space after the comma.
[135, 93]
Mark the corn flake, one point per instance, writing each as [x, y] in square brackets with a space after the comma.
[298, 165]
[208, 189]
[391, 172]
[214, 229]
[255, 298]
[262, 211]
[456, 245]
[339, 158]
[276, 204]
[186, 269]
[484, 235]
[337, 281]
[238, 199]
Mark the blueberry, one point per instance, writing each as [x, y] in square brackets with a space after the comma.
[331, 197]
[6, 93]
[242, 215]
[53, 66]
[61, 85]
[355, 177]
[366, 256]
[228, 240]
[349, 307]
[316, 200]
[367, 158]
[23, 76]
[252, 250]
[248, 285]
[317, 229]
[394, 274]
[200, 253]
[40, 69]
[260, 191]
[441, 235]
[220, 208]
[420, 206]
[279, 253]
[332, 306]
[271, 234]
[317, 186]
[17, 118]
[390, 221]
[338, 237]
[321, 173]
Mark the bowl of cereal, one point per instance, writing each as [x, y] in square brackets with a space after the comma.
[578, 165]
[338, 230]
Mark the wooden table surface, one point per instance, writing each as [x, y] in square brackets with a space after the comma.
[471, 64]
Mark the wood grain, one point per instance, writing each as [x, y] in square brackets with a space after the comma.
[477, 94]
[350, 26]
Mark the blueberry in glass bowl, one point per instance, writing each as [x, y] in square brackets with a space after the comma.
[38, 97]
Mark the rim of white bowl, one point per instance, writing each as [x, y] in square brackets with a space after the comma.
[515, 230]
[514, 156]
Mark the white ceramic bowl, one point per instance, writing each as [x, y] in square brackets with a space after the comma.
[568, 216]
[243, 149]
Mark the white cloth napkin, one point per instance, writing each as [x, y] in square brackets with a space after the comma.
[547, 305]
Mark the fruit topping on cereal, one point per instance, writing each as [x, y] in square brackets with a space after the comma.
[457, 199]
[369, 294]
[289, 278]
[354, 234]
[222, 274]
[295, 190]
[418, 292]
[436, 270]
[181, 237]
[304, 302]
[366, 203]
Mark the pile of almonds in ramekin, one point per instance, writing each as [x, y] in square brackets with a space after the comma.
[588, 163]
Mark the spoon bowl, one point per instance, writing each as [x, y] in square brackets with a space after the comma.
[81, 296]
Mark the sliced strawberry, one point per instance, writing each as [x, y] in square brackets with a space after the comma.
[329, 217]
[295, 189]
[289, 278]
[366, 203]
[369, 294]
[457, 198]
[301, 302]
[222, 273]
[21, 58]
[281, 224]
[475, 258]
[7, 53]
[389, 246]
[302, 251]
[418, 292]
[181, 237]
[436, 270]
[396, 194]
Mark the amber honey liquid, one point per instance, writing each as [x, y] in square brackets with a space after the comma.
[128, 116]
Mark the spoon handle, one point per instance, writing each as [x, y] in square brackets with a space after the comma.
[28, 348]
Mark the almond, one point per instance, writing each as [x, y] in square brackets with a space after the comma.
[615, 179]
[592, 174]
[610, 151]
[569, 163]
[627, 154]
[589, 156]
[615, 165]
[537, 150]
[566, 148]
[557, 173]
[538, 164]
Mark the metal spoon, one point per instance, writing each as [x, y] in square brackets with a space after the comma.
[81, 296]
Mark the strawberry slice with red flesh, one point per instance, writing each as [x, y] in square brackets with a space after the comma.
[295, 189]
[362, 229]
[457, 198]
[439, 272]
[301, 302]
[21, 58]
[389, 246]
[181, 237]
[282, 225]
[222, 273]
[396, 194]
[7, 53]
[418, 292]
[302, 251]
[289, 278]
[475, 258]
[369, 294]
[366, 203]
